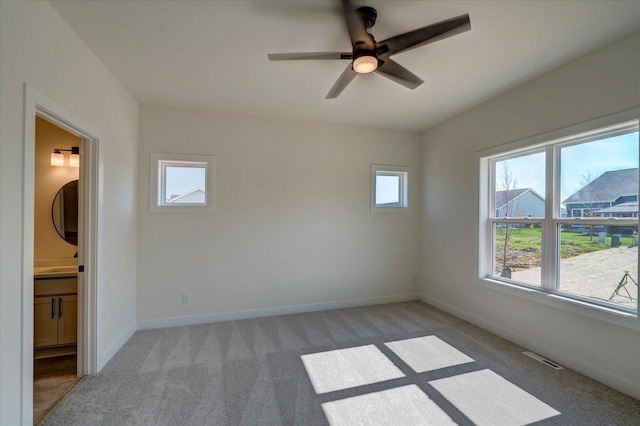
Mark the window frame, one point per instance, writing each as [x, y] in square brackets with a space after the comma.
[158, 164]
[551, 143]
[404, 172]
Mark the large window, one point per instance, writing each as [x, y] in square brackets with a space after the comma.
[561, 216]
[181, 183]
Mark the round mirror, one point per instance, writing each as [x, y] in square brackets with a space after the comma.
[64, 212]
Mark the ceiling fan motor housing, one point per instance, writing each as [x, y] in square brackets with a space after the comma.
[365, 52]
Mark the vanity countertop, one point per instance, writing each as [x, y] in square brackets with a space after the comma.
[55, 271]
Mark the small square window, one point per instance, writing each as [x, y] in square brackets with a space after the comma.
[181, 183]
[389, 188]
[184, 183]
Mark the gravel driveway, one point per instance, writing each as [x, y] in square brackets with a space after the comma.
[595, 274]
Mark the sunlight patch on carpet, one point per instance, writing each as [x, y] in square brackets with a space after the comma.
[488, 399]
[406, 405]
[347, 368]
[427, 353]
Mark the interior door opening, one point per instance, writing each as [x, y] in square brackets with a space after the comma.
[57, 233]
[60, 233]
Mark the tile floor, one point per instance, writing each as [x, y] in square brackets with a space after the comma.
[52, 378]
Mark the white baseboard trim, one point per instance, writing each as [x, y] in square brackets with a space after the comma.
[282, 310]
[115, 346]
[619, 383]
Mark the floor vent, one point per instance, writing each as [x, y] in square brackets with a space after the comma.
[543, 360]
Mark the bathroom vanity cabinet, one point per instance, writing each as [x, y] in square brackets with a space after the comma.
[55, 311]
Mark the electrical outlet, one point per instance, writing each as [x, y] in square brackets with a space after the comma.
[186, 298]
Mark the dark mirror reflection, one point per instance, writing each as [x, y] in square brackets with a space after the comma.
[64, 212]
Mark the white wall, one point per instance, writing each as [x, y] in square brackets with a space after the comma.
[292, 224]
[37, 47]
[601, 83]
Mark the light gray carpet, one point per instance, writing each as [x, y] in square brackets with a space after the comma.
[250, 372]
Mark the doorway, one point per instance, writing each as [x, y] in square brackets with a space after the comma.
[56, 234]
[59, 292]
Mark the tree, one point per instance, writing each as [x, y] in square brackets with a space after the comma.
[589, 186]
[507, 184]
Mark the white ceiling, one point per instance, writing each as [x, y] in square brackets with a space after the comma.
[213, 54]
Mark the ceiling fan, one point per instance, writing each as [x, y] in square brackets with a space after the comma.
[368, 55]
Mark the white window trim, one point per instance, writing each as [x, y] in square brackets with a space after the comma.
[156, 180]
[405, 182]
[547, 142]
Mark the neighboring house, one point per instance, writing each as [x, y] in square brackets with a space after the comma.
[629, 209]
[195, 196]
[523, 202]
[613, 188]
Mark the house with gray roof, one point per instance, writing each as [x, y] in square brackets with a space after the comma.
[629, 209]
[606, 196]
[195, 196]
[522, 202]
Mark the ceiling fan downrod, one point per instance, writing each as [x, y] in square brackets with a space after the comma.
[368, 15]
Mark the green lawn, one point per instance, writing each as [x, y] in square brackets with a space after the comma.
[572, 244]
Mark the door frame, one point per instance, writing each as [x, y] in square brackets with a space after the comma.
[89, 214]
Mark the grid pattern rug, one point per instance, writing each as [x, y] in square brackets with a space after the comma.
[395, 364]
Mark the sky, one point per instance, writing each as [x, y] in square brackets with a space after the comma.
[180, 180]
[387, 189]
[595, 158]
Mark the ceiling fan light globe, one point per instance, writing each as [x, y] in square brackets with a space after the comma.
[365, 64]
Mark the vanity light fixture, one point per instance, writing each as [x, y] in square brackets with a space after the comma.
[74, 158]
[57, 158]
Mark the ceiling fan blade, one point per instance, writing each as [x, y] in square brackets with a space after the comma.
[396, 72]
[360, 38]
[343, 81]
[424, 35]
[310, 55]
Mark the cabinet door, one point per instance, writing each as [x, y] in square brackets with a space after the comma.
[67, 319]
[45, 321]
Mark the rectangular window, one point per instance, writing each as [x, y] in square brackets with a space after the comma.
[181, 183]
[389, 188]
[561, 215]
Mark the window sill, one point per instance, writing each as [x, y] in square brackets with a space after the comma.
[181, 209]
[390, 210]
[602, 313]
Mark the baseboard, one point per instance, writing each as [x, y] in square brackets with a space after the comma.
[619, 383]
[282, 310]
[115, 346]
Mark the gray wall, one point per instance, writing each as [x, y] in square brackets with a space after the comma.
[39, 48]
[293, 228]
